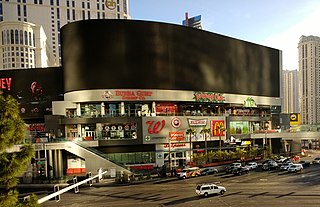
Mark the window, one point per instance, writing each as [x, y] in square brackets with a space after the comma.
[21, 37]
[25, 37]
[19, 10]
[12, 37]
[30, 38]
[24, 10]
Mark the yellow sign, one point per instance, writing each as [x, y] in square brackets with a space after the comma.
[294, 119]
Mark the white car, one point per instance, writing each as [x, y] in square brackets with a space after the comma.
[316, 160]
[295, 168]
[207, 189]
[285, 166]
[251, 165]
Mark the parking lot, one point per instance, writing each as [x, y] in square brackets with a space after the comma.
[258, 188]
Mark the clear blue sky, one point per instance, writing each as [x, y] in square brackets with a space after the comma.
[274, 23]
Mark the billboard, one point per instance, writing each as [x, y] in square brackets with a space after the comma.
[34, 89]
[138, 54]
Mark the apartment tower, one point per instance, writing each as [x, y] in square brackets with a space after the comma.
[309, 75]
[290, 102]
[30, 29]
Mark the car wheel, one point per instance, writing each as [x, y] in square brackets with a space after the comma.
[222, 192]
[205, 194]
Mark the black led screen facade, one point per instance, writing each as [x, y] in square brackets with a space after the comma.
[133, 54]
[34, 89]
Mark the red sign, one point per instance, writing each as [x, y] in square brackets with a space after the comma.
[176, 136]
[5, 83]
[155, 127]
[217, 127]
[174, 145]
[133, 95]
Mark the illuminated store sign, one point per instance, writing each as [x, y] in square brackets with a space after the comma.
[218, 126]
[5, 83]
[133, 95]
[249, 102]
[197, 122]
[209, 97]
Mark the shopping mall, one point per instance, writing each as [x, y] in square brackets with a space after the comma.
[139, 91]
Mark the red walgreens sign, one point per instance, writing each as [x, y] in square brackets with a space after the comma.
[176, 136]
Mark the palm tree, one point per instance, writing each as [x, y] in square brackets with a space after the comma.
[205, 131]
[190, 131]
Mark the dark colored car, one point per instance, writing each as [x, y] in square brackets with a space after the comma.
[269, 165]
[209, 171]
[305, 163]
[231, 167]
[240, 171]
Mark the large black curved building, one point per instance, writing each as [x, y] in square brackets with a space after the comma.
[132, 54]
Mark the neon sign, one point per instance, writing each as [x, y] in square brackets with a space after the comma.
[5, 83]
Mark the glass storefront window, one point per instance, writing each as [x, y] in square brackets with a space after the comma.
[119, 131]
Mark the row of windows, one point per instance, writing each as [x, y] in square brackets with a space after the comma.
[17, 65]
[18, 37]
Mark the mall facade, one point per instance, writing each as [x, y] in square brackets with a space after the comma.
[142, 91]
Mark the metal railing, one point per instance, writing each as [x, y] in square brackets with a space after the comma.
[74, 186]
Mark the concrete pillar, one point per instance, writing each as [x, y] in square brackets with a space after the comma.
[55, 160]
[50, 163]
[103, 110]
[60, 163]
[78, 109]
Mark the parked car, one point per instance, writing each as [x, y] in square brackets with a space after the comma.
[207, 189]
[295, 168]
[251, 165]
[270, 165]
[316, 160]
[209, 171]
[240, 171]
[232, 166]
[285, 166]
[305, 163]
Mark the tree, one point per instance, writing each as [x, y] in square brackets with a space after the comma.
[13, 164]
[205, 131]
[191, 131]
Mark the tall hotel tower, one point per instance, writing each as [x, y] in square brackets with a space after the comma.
[30, 29]
[290, 92]
[309, 75]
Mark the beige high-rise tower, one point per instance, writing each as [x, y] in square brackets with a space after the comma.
[309, 79]
[30, 29]
[290, 85]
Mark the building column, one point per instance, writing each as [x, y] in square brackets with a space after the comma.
[50, 163]
[55, 169]
[78, 109]
[60, 164]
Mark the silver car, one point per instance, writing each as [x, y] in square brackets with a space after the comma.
[295, 168]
